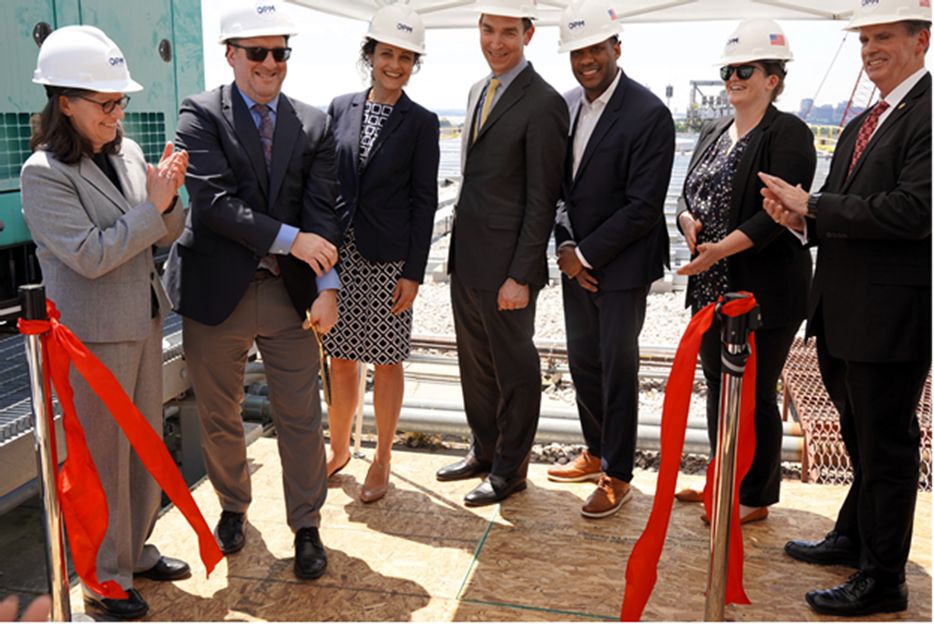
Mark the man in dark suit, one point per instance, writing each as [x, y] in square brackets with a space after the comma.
[870, 306]
[512, 157]
[612, 244]
[262, 225]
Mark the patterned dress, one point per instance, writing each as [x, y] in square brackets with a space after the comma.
[366, 330]
[709, 192]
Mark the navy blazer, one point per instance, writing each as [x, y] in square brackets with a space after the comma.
[392, 201]
[614, 207]
[776, 269]
[237, 207]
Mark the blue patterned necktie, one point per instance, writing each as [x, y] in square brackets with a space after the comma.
[266, 130]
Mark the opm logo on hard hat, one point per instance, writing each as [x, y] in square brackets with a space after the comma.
[576, 24]
[263, 9]
[404, 27]
[116, 60]
[732, 41]
[869, 3]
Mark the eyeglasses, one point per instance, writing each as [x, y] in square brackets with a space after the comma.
[743, 72]
[257, 54]
[109, 106]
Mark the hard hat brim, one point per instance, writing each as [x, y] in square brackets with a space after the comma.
[502, 12]
[858, 22]
[748, 58]
[399, 43]
[113, 86]
[586, 42]
[257, 32]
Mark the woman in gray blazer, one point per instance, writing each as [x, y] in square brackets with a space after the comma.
[95, 209]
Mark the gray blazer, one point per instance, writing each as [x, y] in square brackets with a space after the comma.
[95, 245]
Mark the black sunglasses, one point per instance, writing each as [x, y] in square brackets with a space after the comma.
[109, 106]
[257, 54]
[743, 72]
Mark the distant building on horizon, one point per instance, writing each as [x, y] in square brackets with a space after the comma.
[825, 114]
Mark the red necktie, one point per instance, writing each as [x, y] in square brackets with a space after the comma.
[865, 132]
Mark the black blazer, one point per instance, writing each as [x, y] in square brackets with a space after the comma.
[392, 203]
[511, 183]
[776, 269]
[873, 275]
[236, 208]
[614, 208]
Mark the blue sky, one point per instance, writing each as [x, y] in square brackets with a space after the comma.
[324, 57]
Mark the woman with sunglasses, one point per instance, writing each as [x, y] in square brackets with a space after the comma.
[736, 246]
[95, 209]
[387, 159]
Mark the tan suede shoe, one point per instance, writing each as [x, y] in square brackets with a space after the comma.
[376, 483]
[610, 495]
[585, 467]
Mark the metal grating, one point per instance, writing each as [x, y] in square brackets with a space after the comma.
[147, 129]
[14, 148]
[825, 459]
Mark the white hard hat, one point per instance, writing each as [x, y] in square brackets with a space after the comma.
[508, 8]
[871, 12]
[83, 57]
[756, 40]
[585, 23]
[242, 19]
[398, 25]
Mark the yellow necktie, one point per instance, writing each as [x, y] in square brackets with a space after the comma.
[487, 104]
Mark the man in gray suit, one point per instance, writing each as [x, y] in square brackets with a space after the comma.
[262, 225]
[514, 143]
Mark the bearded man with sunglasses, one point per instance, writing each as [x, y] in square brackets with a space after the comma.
[258, 251]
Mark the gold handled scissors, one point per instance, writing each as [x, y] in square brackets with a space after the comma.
[324, 366]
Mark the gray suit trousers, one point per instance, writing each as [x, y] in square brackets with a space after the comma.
[217, 355]
[133, 496]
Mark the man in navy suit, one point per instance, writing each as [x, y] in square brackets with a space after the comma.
[870, 305]
[612, 244]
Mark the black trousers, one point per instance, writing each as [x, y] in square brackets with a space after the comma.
[879, 425]
[760, 486]
[500, 376]
[603, 355]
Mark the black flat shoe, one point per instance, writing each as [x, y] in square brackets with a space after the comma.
[132, 607]
[167, 569]
[229, 532]
[466, 468]
[493, 490]
[834, 549]
[310, 559]
[860, 595]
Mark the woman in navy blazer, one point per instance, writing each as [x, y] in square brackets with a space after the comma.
[387, 155]
[737, 246]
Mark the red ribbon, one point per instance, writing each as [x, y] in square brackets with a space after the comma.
[84, 504]
[642, 569]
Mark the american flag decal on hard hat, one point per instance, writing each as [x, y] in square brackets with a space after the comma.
[612, 13]
[776, 39]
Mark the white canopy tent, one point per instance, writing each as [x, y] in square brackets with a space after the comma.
[462, 14]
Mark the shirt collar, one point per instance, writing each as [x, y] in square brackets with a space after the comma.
[604, 98]
[506, 78]
[898, 93]
[273, 105]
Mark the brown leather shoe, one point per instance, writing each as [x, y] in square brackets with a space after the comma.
[689, 495]
[585, 467]
[610, 495]
[376, 483]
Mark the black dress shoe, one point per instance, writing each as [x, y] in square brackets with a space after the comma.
[229, 532]
[466, 468]
[834, 549]
[493, 490]
[167, 569]
[310, 558]
[132, 607]
[860, 595]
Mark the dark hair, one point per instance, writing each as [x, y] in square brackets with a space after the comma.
[368, 48]
[916, 26]
[526, 23]
[775, 68]
[52, 130]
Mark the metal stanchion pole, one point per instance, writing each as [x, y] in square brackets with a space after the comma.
[358, 416]
[32, 300]
[733, 355]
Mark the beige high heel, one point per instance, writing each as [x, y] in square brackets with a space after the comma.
[376, 483]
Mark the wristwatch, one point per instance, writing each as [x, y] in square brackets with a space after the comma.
[813, 198]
